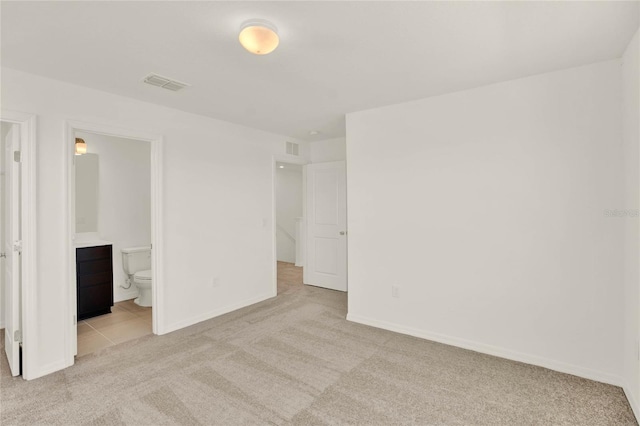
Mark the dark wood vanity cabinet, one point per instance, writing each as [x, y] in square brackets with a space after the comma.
[94, 273]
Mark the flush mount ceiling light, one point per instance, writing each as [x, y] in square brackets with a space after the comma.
[258, 36]
[81, 146]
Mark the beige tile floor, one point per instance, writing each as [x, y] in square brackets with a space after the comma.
[127, 321]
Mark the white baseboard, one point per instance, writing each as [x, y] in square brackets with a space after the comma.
[633, 401]
[560, 366]
[48, 369]
[216, 313]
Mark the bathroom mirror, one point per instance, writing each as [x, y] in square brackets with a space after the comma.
[86, 193]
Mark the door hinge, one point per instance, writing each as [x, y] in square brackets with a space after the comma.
[75, 321]
[16, 156]
[17, 336]
[17, 246]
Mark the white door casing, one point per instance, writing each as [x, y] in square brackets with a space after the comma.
[326, 258]
[12, 247]
[73, 290]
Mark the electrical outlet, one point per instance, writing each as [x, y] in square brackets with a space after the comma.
[395, 291]
[215, 282]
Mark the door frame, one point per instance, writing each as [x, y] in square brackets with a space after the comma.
[275, 159]
[28, 268]
[157, 234]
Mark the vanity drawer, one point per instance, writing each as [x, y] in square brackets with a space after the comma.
[96, 300]
[94, 267]
[93, 253]
[94, 279]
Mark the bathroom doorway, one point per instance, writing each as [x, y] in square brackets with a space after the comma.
[112, 216]
[289, 226]
[114, 237]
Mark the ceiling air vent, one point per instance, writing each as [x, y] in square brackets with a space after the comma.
[164, 82]
[292, 148]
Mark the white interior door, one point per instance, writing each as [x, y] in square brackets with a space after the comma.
[11, 248]
[326, 260]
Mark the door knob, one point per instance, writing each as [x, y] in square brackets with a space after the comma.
[342, 232]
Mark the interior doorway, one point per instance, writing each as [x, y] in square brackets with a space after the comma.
[112, 240]
[289, 226]
[115, 237]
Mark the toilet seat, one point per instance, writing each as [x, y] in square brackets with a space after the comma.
[143, 275]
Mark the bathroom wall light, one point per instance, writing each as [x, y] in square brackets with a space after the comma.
[81, 146]
[258, 36]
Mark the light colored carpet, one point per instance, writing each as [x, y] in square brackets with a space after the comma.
[295, 360]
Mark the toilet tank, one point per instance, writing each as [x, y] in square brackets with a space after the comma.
[135, 259]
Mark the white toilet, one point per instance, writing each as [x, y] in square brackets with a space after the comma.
[136, 262]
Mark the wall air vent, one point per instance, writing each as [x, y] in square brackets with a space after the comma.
[164, 82]
[292, 148]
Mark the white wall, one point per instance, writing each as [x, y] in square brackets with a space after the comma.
[217, 204]
[124, 202]
[486, 208]
[630, 136]
[328, 150]
[288, 208]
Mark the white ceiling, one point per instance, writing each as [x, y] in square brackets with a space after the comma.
[334, 57]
